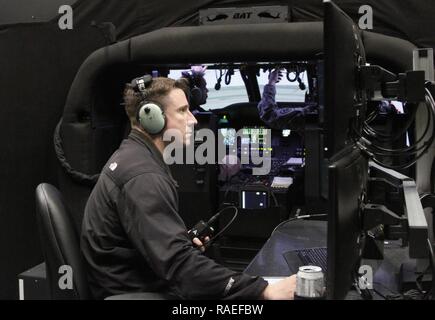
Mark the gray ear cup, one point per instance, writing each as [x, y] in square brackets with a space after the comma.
[151, 118]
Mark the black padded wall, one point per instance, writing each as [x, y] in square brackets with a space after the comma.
[37, 65]
[409, 20]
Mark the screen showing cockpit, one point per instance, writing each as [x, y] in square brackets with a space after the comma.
[253, 139]
[255, 135]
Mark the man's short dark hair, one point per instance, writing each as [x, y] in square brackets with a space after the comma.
[156, 91]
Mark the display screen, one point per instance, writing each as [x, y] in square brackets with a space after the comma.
[286, 133]
[254, 199]
[256, 134]
[254, 139]
[229, 136]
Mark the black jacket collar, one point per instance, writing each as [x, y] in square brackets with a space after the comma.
[140, 138]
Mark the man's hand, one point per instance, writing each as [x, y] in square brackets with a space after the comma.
[275, 76]
[282, 290]
[198, 243]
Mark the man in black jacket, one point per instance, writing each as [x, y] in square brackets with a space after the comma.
[133, 239]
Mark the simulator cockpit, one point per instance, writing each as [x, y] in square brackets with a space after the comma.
[312, 127]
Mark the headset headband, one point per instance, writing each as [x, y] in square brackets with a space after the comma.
[142, 83]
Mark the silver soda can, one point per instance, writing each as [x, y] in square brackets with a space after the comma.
[310, 283]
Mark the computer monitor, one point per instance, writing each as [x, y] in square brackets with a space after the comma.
[251, 198]
[255, 135]
[348, 176]
[342, 104]
[345, 102]
[254, 139]
[345, 108]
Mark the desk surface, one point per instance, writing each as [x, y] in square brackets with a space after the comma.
[292, 235]
[300, 234]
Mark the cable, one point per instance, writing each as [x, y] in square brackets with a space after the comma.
[292, 71]
[430, 115]
[217, 86]
[378, 135]
[371, 116]
[236, 212]
[77, 176]
[228, 75]
[379, 294]
[408, 149]
[374, 134]
[297, 217]
[416, 151]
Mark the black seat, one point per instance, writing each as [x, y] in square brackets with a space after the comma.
[60, 244]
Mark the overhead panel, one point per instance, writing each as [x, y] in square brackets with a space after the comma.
[243, 15]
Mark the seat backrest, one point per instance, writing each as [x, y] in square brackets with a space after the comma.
[60, 245]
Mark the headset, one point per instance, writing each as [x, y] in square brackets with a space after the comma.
[196, 94]
[150, 114]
